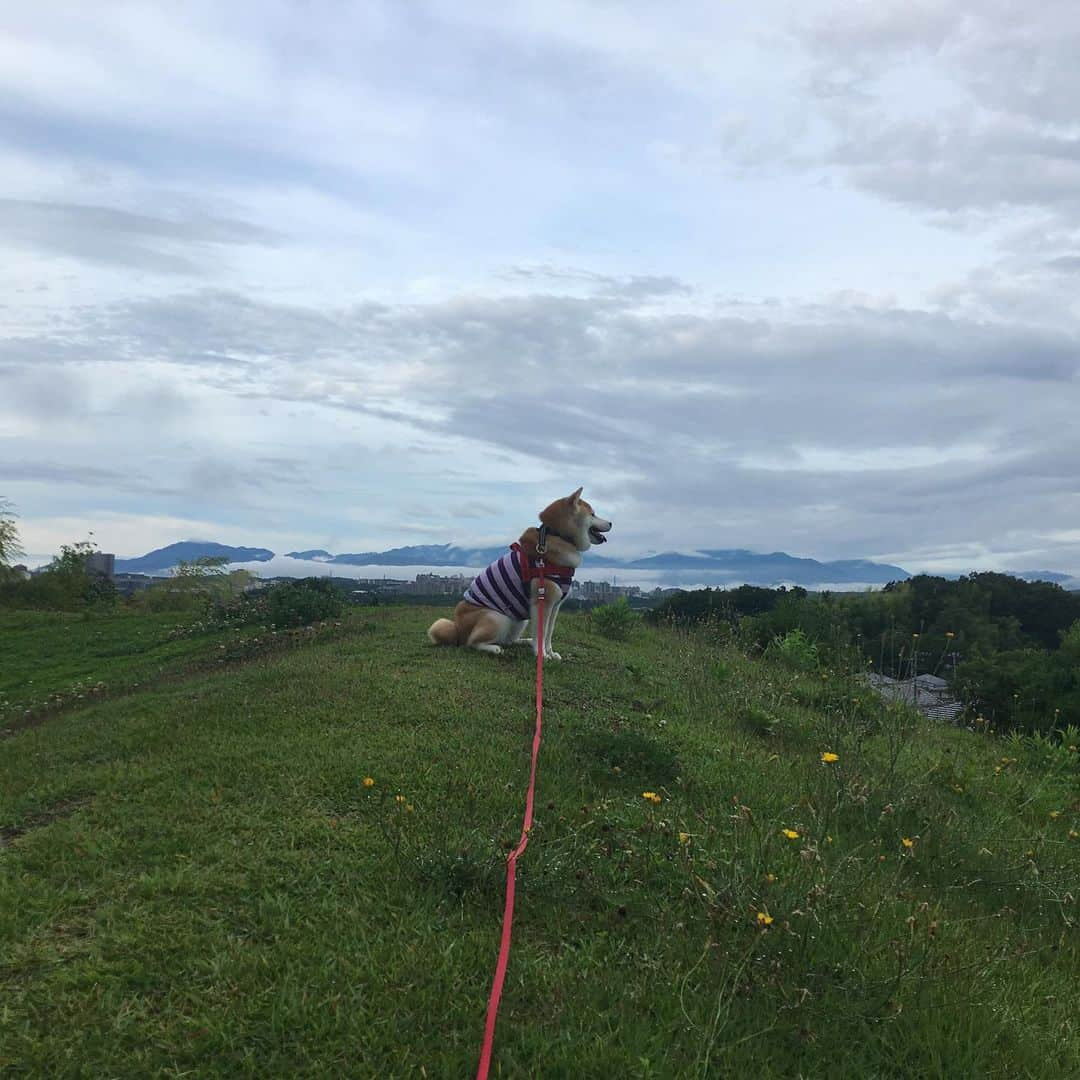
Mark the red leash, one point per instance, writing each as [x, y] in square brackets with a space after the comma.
[512, 858]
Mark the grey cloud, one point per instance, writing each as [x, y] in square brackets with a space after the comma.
[997, 135]
[1069, 264]
[45, 472]
[632, 288]
[688, 410]
[123, 238]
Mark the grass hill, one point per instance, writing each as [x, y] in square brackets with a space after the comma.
[196, 879]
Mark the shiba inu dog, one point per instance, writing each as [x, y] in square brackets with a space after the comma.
[503, 598]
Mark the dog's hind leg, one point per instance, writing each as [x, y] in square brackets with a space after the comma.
[490, 632]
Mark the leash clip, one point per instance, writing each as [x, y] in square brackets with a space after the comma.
[541, 540]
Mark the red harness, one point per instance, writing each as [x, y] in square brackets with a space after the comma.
[531, 568]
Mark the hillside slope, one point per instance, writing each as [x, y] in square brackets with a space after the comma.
[194, 876]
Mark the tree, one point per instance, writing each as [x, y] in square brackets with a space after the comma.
[10, 548]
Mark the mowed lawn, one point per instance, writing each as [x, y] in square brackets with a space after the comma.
[196, 881]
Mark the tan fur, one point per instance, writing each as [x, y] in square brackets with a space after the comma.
[443, 632]
[487, 630]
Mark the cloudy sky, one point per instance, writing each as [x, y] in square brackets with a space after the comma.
[354, 275]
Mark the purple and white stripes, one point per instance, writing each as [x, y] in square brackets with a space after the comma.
[501, 589]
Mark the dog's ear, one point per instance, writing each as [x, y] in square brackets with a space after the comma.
[576, 497]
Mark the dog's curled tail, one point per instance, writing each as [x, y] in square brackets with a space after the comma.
[443, 632]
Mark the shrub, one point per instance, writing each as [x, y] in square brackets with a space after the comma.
[301, 603]
[795, 650]
[64, 585]
[616, 621]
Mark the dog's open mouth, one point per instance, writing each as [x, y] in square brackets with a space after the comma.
[596, 536]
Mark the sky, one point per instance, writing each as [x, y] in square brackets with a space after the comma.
[350, 276]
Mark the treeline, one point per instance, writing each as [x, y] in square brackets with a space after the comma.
[1010, 648]
[204, 588]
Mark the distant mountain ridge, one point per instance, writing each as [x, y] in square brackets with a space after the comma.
[188, 550]
[716, 565]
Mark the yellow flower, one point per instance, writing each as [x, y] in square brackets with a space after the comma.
[399, 798]
[409, 807]
[764, 918]
[770, 878]
[368, 782]
[908, 842]
[684, 838]
[652, 797]
[1055, 813]
[1073, 834]
[791, 834]
[828, 757]
[616, 769]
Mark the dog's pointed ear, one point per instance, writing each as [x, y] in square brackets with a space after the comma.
[576, 497]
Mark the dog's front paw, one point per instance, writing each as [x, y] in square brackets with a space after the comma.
[552, 656]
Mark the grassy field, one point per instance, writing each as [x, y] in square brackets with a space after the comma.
[195, 879]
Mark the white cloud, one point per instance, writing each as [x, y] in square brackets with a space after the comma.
[755, 279]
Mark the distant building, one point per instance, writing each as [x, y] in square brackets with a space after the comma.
[927, 693]
[21, 572]
[133, 583]
[604, 592]
[101, 564]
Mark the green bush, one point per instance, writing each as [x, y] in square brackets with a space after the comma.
[795, 650]
[301, 603]
[64, 585]
[616, 621]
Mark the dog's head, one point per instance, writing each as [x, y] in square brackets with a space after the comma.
[573, 519]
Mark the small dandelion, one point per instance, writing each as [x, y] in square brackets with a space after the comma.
[908, 842]
[770, 878]
[651, 796]
[1055, 813]
[829, 757]
[616, 770]
[408, 807]
[399, 798]
[828, 839]
[1073, 834]
[764, 918]
[684, 838]
[791, 834]
[369, 781]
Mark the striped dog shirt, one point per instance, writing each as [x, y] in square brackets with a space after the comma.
[501, 587]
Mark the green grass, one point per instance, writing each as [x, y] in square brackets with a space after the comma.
[53, 660]
[194, 879]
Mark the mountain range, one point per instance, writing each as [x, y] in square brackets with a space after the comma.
[187, 551]
[715, 566]
[718, 565]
